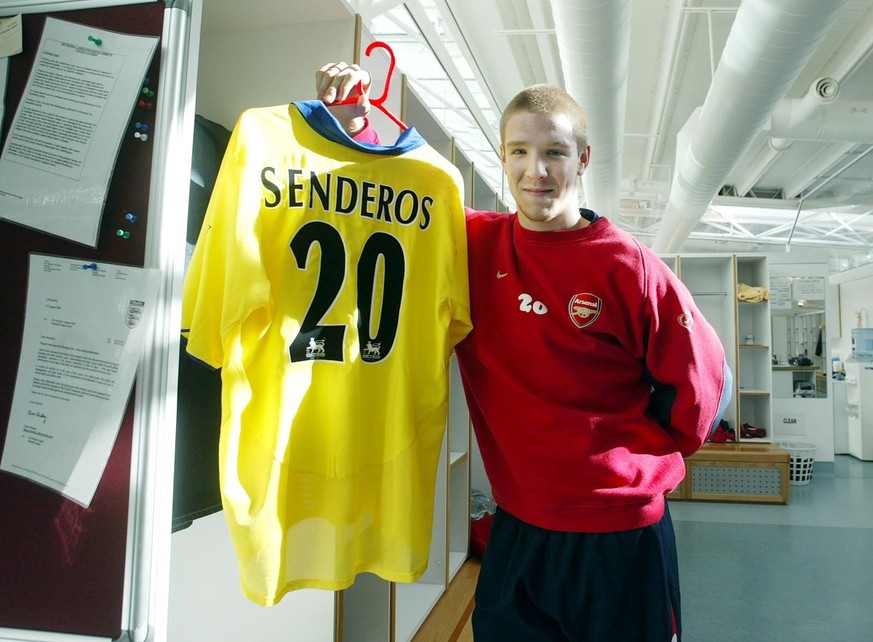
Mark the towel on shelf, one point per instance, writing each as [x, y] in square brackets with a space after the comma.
[752, 294]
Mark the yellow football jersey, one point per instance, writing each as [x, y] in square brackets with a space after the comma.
[329, 284]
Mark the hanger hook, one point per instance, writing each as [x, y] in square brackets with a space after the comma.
[379, 102]
[391, 63]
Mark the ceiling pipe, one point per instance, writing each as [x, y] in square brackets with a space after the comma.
[790, 113]
[757, 165]
[770, 43]
[673, 61]
[594, 39]
[789, 116]
[844, 61]
[842, 122]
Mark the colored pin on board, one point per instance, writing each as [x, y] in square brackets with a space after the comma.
[130, 216]
[96, 41]
[123, 234]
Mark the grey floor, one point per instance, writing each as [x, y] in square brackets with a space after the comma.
[794, 573]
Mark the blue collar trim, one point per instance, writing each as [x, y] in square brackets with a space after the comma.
[322, 121]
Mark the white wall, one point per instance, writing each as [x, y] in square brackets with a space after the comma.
[265, 67]
[206, 602]
[855, 292]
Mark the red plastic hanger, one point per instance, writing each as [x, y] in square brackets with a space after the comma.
[379, 102]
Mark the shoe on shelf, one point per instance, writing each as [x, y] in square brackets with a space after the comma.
[748, 431]
[723, 433]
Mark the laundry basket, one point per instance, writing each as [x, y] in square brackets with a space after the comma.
[801, 459]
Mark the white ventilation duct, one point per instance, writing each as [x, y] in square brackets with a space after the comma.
[792, 112]
[769, 45]
[842, 122]
[594, 38]
[815, 117]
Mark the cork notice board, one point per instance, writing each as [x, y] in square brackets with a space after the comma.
[62, 566]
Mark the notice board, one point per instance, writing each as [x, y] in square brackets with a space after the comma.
[63, 566]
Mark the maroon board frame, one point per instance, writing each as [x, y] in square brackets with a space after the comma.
[62, 566]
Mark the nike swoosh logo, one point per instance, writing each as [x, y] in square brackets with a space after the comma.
[501, 275]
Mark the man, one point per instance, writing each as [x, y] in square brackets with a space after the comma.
[589, 374]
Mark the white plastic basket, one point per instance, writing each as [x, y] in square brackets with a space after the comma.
[801, 460]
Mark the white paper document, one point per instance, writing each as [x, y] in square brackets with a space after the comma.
[83, 335]
[11, 36]
[59, 155]
[10, 44]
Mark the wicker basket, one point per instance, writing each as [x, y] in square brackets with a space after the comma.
[802, 458]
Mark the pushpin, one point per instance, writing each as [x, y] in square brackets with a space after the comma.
[123, 234]
[142, 137]
[96, 41]
[130, 216]
[142, 127]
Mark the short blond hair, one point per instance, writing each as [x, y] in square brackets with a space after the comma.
[545, 98]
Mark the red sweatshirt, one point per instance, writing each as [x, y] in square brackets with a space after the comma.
[589, 373]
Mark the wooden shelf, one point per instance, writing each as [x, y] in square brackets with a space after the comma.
[416, 601]
[450, 618]
[754, 377]
[786, 368]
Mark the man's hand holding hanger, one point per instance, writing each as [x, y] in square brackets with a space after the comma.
[335, 82]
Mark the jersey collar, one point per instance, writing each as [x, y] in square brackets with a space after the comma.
[322, 121]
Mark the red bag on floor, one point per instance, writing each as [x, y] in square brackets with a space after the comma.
[480, 529]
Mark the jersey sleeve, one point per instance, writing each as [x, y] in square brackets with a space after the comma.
[685, 361]
[225, 280]
[461, 322]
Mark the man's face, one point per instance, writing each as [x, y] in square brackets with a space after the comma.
[542, 161]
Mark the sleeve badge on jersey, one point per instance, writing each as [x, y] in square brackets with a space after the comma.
[686, 321]
[584, 309]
